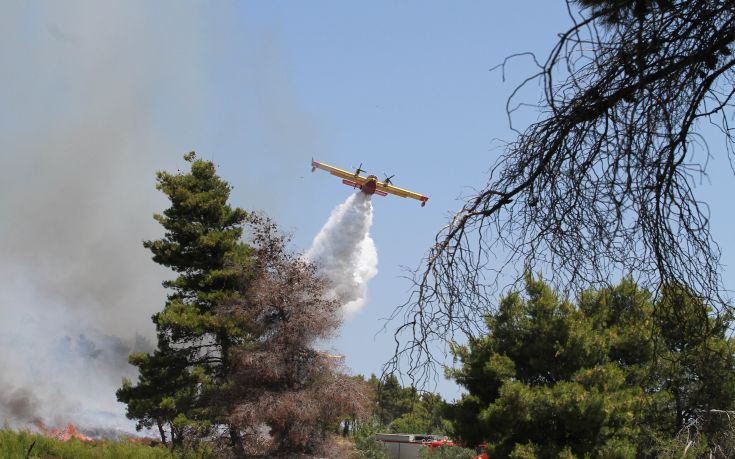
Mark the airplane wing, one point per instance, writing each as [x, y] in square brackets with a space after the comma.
[341, 173]
[394, 190]
[357, 181]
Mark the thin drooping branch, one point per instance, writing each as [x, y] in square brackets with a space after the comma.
[603, 185]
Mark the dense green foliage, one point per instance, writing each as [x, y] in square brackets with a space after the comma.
[14, 445]
[181, 385]
[202, 244]
[405, 410]
[615, 375]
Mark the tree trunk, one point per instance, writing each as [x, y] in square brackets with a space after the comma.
[236, 442]
[162, 432]
[679, 410]
[177, 437]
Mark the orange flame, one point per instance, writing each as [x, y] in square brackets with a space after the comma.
[64, 435]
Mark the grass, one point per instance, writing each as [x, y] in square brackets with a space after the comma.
[16, 445]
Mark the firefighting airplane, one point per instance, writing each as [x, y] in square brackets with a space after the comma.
[369, 184]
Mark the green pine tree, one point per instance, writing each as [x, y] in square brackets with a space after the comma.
[616, 375]
[183, 384]
[165, 388]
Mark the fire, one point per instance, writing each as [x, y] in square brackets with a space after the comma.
[64, 435]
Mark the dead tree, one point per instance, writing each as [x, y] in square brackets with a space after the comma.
[287, 395]
[604, 184]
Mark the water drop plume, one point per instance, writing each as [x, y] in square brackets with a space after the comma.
[345, 252]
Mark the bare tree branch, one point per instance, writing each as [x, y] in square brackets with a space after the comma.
[603, 185]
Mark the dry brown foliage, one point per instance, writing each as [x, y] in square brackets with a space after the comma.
[287, 395]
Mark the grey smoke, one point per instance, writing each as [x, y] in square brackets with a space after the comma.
[19, 404]
[59, 369]
[97, 97]
[61, 35]
[76, 198]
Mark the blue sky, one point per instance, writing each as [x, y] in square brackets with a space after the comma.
[401, 87]
[98, 97]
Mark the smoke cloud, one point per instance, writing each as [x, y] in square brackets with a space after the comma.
[346, 253]
[98, 97]
[77, 194]
[76, 198]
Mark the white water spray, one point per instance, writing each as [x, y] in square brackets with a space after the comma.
[346, 253]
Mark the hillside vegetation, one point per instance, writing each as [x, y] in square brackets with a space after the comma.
[15, 445]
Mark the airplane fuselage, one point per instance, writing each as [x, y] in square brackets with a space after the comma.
[369, 186]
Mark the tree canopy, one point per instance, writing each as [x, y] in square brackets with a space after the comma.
[178, 383]
[287, 394]
[237, 361]
[615, 375]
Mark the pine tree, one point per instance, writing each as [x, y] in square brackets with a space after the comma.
[616, 375]
[182, 384]
[165, 388]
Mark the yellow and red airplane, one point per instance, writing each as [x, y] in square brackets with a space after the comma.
[369, 184]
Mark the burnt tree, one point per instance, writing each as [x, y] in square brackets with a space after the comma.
[287, 394]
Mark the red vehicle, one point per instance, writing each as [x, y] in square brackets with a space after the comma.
[407, 446]
[481, 451]
[439, 443]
